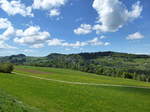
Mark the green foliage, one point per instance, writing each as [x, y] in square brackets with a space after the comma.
[15, 59]
[109, 63]
[6, 67]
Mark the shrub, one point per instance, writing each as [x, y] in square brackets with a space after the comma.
[6, 67]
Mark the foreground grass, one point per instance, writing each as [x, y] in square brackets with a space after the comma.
[10, 104]
[59, 97]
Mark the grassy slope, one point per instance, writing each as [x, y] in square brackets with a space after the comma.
[58, 97]
[10, 104]
[72, 75]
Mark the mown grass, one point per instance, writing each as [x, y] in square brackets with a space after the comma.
[51, 96]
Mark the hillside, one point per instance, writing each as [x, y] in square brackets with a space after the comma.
[109, 63]
[48, 90]
[10, 104]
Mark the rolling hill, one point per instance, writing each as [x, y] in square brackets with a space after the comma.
[108, 63]
[46, 90]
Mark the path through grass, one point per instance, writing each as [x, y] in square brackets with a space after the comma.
[50, 96]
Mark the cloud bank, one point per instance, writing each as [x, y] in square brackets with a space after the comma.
[15, 7]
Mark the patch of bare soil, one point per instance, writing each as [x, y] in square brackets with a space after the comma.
[32, 71]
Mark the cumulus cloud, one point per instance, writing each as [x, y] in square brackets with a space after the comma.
[103, 37]
[32, 36]
[6, 25]
[8, 31]
[135, 36]
[94, 42]
[15, 7]
[55, 42]
[51, 5]
[97, 41]
[113, 14]
[83, 29]
[37, 45]
[58, 42]
[3, 45]
[54, 12]
[48, 4]
[76, 44]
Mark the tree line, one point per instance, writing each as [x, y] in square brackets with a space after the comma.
[113, 64]
[90, 65]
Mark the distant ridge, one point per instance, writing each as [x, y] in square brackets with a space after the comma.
[104, 53]
[117, 64]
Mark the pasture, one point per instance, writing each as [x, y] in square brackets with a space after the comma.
[29, 85]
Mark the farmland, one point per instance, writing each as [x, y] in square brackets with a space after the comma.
[54, 96]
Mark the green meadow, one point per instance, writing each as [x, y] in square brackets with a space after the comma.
[52, 96]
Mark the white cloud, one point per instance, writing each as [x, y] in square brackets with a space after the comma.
[83, 29]
[8, 31]
[113, 14]
[94, 42]
[7, 27]
[67, 49]
[136, 11]
[3, 45]
[135, 36]
[15, 7]
[97, 42]
[27, 50]
[32, 36]
[48, 4]
[58, 42]
[76, 44]
[102, 37]
[107, 43]
[55, 42]
[51, 5]
[38, 45]
[4, 23]
[54, 12]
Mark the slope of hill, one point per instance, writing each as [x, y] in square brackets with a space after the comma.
[54, 96]
[10, 104]
[104, 63]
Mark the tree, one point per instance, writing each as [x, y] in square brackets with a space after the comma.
[6, 67]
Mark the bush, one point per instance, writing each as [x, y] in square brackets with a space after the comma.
[6, 67]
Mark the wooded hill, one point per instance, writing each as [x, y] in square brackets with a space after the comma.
[109, 63]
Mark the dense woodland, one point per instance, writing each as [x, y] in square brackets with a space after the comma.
[114, 64]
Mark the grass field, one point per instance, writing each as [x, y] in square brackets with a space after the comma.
[10, 104]
[52, 96]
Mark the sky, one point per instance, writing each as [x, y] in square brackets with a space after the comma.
[41, 27]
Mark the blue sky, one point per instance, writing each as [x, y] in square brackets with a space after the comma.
[40, 27]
